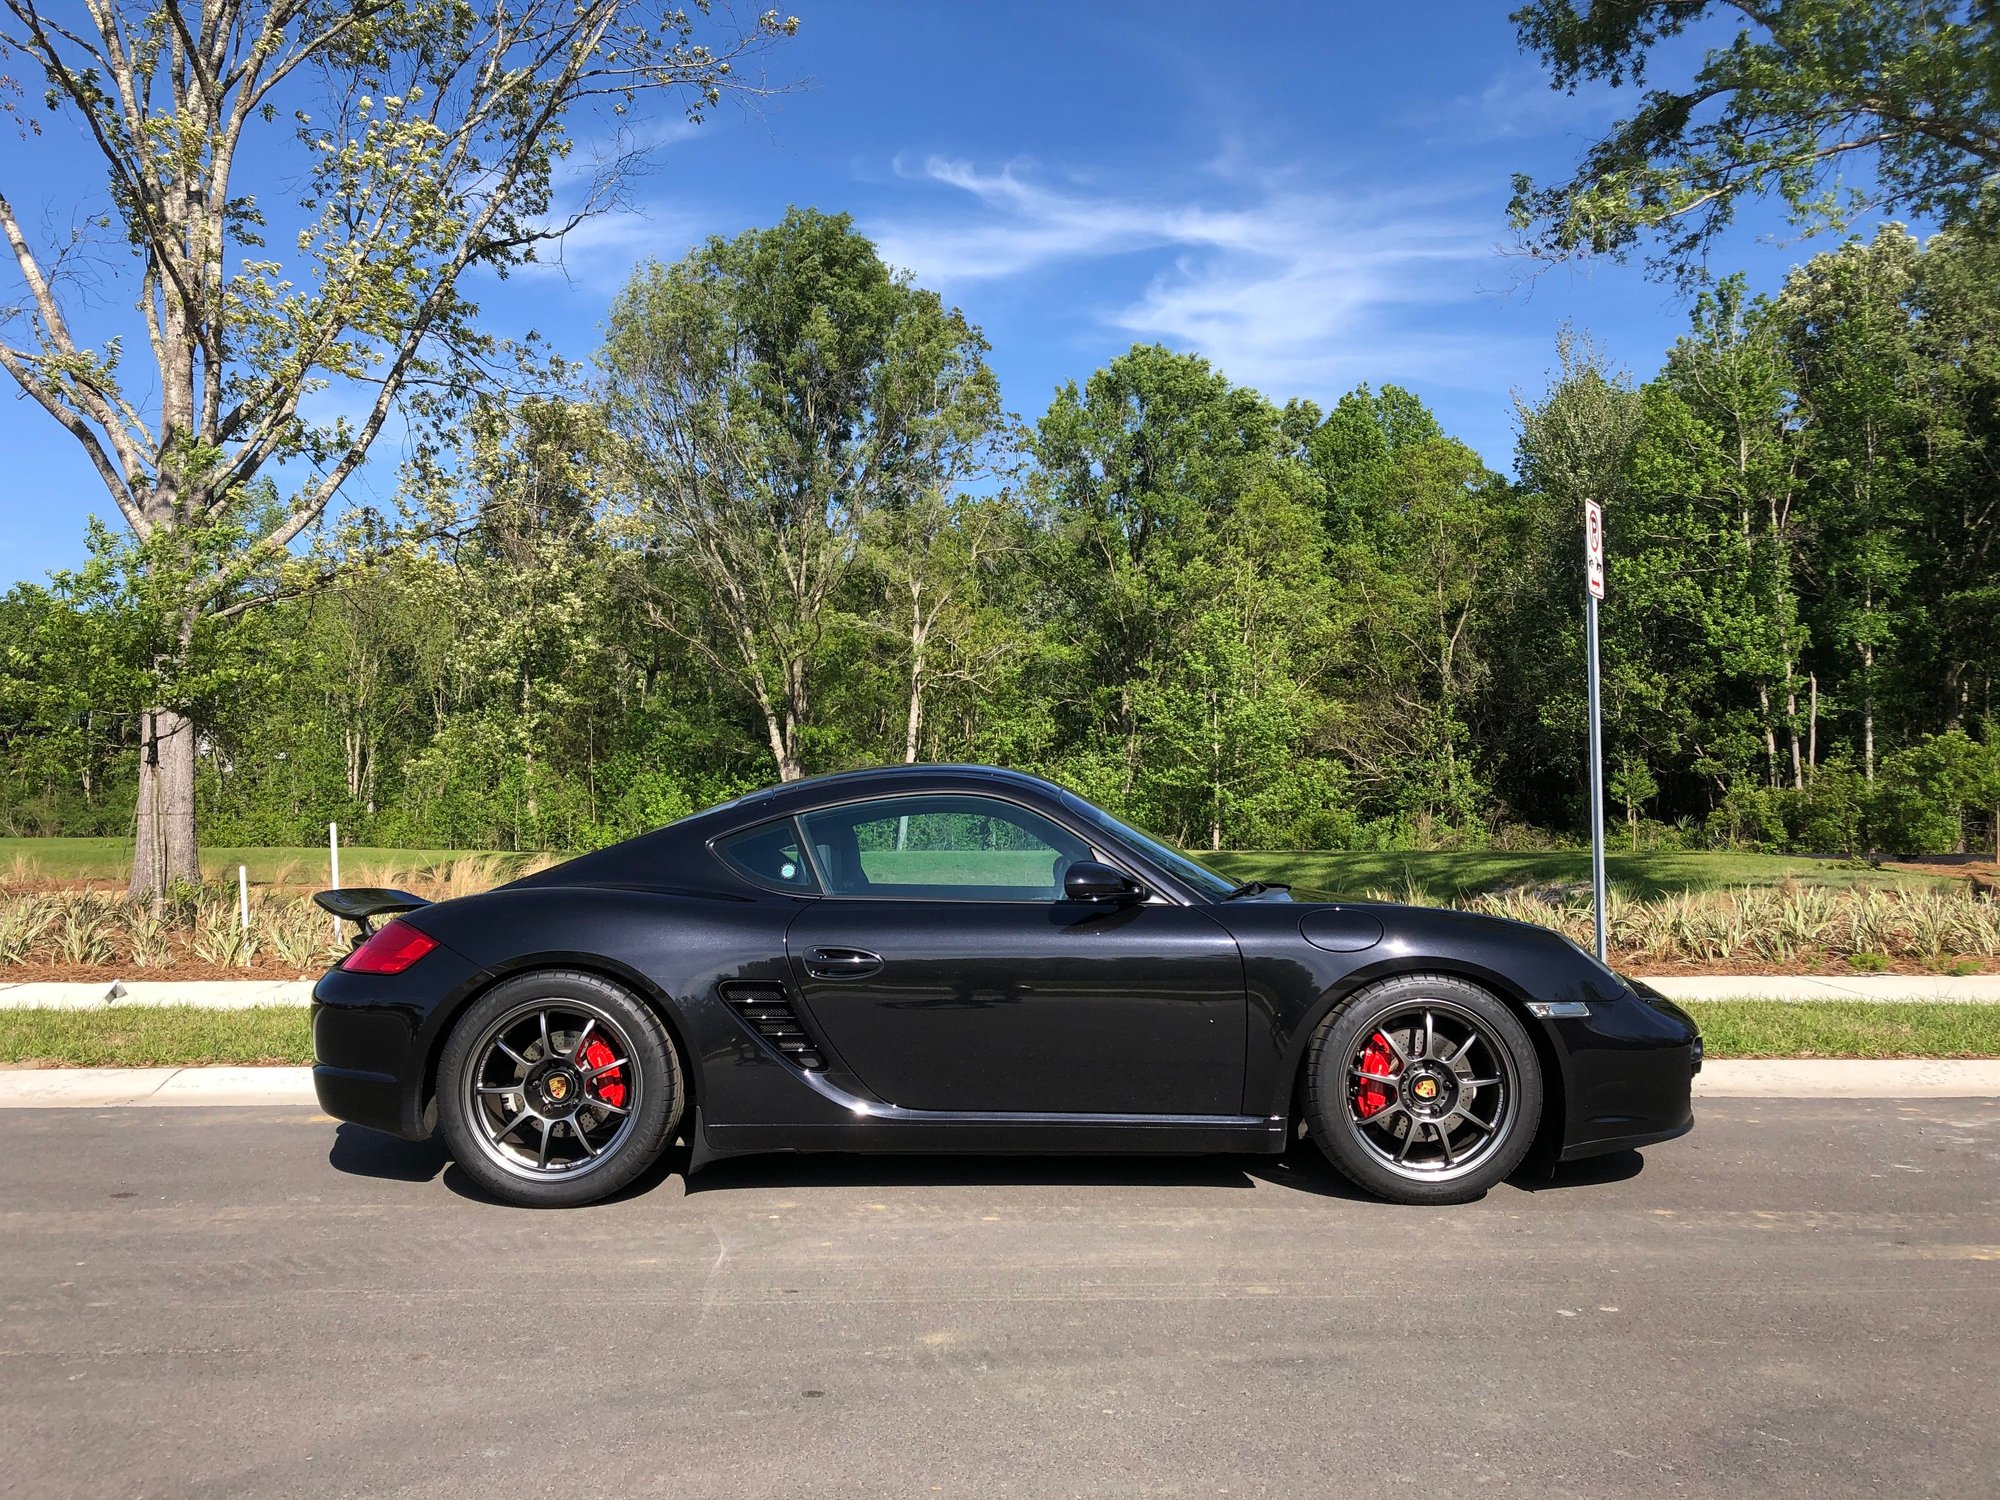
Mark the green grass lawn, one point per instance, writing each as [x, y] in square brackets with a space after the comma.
[154, 1036]
[1773, 1028]
[1444, 875]
[162, 1036]
[111, 859]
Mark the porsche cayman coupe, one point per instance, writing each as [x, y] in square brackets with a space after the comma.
[965, 959]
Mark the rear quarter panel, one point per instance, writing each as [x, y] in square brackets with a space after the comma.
[674, 949]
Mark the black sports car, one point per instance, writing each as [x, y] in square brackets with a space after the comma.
[958, 958]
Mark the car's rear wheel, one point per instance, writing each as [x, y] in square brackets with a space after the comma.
[1424, 1089]
[556, 1089]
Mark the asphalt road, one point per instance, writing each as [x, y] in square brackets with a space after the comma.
[1801, 1299]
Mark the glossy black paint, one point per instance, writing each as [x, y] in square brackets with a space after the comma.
[1178, 1022]
[1058, 1006]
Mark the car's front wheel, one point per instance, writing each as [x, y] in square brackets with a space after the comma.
[556, 1089]
[1424, 1089]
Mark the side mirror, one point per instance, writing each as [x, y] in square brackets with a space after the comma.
[1087, 880]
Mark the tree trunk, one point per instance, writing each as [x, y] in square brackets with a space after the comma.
[1792, 726]
[165, 850]
[1812, 725]
[1770, 735]
[913, 730]
[1868, 713]
[1215, 774]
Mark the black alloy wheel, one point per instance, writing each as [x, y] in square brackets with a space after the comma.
[1424, 1089]
[556, 1089]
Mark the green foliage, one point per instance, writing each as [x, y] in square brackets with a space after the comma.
[781, 397]
[792, 532]
[1924, 791]
[404, 147]
[1774, 109]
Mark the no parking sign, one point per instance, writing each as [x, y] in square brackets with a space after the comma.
[1593, 547]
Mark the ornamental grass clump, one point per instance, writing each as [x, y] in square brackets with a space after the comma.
[1786, 925]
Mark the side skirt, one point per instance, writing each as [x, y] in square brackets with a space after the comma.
[938, 1132]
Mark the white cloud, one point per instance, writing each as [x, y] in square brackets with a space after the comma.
[1284, 288]
[1519, 102]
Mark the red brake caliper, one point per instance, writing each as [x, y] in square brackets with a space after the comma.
[610, 1087]
[1376, 1058]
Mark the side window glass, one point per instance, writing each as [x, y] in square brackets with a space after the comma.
[941, 848]
[769, 854]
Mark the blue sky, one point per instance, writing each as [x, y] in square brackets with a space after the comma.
[1310, 195]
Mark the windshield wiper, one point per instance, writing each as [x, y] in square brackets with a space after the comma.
[1256, 888]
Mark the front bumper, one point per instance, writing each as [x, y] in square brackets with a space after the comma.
[1631, 1074]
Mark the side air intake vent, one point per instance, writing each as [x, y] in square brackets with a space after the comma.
[769, 1011]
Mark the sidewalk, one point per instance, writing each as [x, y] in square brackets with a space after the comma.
[213, 994]
[236, 994]
[1976, 989]
[151, 1088]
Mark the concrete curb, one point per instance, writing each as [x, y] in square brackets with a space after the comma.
[153, 1088]
[238, 994]
[145, 1088]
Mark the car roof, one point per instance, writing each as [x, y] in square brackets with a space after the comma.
[812, 791]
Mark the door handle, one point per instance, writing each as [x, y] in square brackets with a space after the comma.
[842, 963]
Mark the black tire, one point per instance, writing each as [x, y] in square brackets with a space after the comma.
[1488, 1100]
[597, 1148]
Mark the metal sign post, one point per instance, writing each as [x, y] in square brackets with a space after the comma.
[1593, 566]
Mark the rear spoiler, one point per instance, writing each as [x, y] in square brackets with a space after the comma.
[361, 903]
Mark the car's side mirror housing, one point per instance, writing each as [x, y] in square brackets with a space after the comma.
[1087, 880]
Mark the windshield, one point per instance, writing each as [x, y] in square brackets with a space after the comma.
[1200, 877]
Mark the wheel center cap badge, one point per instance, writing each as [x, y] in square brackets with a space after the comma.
[1425, 1088]
[558, 1086]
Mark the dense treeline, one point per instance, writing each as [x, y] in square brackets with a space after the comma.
[787, 528]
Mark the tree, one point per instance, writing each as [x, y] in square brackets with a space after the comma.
[1364, 431]
[1849, 326]
[424, 138]
[774, 392]
[1573, 445]
[1183, 569]
[1957, 304]
[931, 553]
[1412, 565]
[1778, 107]
[1982, 782]
[1632, 785]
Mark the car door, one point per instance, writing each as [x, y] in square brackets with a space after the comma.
[946, 969]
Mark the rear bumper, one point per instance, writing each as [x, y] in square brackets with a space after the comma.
[375, 1039]
[378, 1100]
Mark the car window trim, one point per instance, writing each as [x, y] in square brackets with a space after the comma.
[1094, 845]
[741, 872]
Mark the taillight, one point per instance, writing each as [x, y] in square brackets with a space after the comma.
[390, 949]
